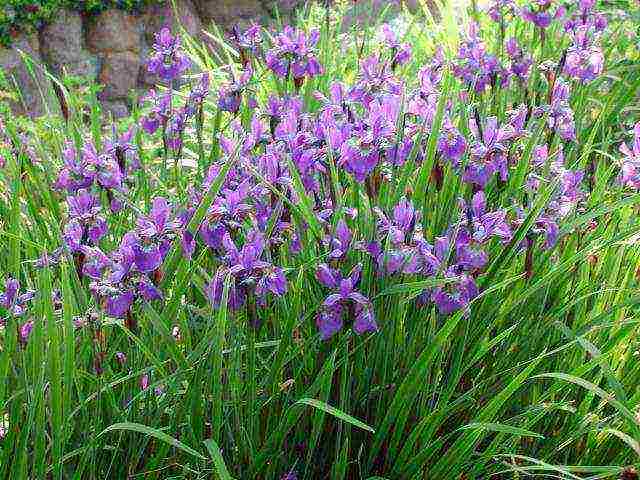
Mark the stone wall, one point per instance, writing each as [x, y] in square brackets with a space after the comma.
[112, 47]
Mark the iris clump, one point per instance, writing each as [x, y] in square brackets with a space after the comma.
[396, 250]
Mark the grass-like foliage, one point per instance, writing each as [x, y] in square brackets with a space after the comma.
[400, 251]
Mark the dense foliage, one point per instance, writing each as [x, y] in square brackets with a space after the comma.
[28, 15]
[403, 251]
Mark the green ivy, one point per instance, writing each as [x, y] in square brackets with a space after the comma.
[28, 15]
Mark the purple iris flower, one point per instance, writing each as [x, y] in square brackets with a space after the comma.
[585, 16]
[152, 237]
[81, 171]
[230, 96]
[540, 18]
[488, 152]
[488, 224]
[110, 177]
[86, 223]
[147, 258]
[341, 241]
[271, 281]
[630, 171]
[124, 150]
[158, 221]
[10, 294]
[542, 15]
[401, 51]
[339, 103]
[455, 296]
[548, 167]
[560, 116]
[188, 244]
[248, 273]
[475, 66]
[167, 61]
[520, 62]
[175, 128]
[96, 262]
[198, 94]
[120, 279]
[477, 227]
[345, 298]
[375, 77]
[470, 256]
[451, 144]
[72, 236]
[293, 53]
[257, 135]
[121, 358]
[147, 290]
[585, 59]
[212, 232]
[78, 171]
[159, 113]
[397, 229]
[549, 229]
[12, 300]
[358, 162]
[119, 305]
[25, 331]
[248, 42]
[233, 204]
[430, 75]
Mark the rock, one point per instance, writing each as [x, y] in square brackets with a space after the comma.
[116, 108]
[163, 15]
[226, 13]
[61, 46]
[283, 8]
[16, 72]
[371, 12]
[119, 75]
[114, 31]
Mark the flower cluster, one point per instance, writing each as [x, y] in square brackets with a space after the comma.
[630, 171]
[547, 168]
[400, 52]
[540, 13]
[584, 58]
[560, 117]
[171, 120]
[132, 270]
[477, 67]
[521, 63]
[356, 138]
[168, 61]
[344, 298]
[248, 42]
[230, 95]
[489, 151]
[15, 305]
[249, 275]
[108, 171]
[293, 54]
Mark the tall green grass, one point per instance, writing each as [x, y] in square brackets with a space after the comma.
[540, 378]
